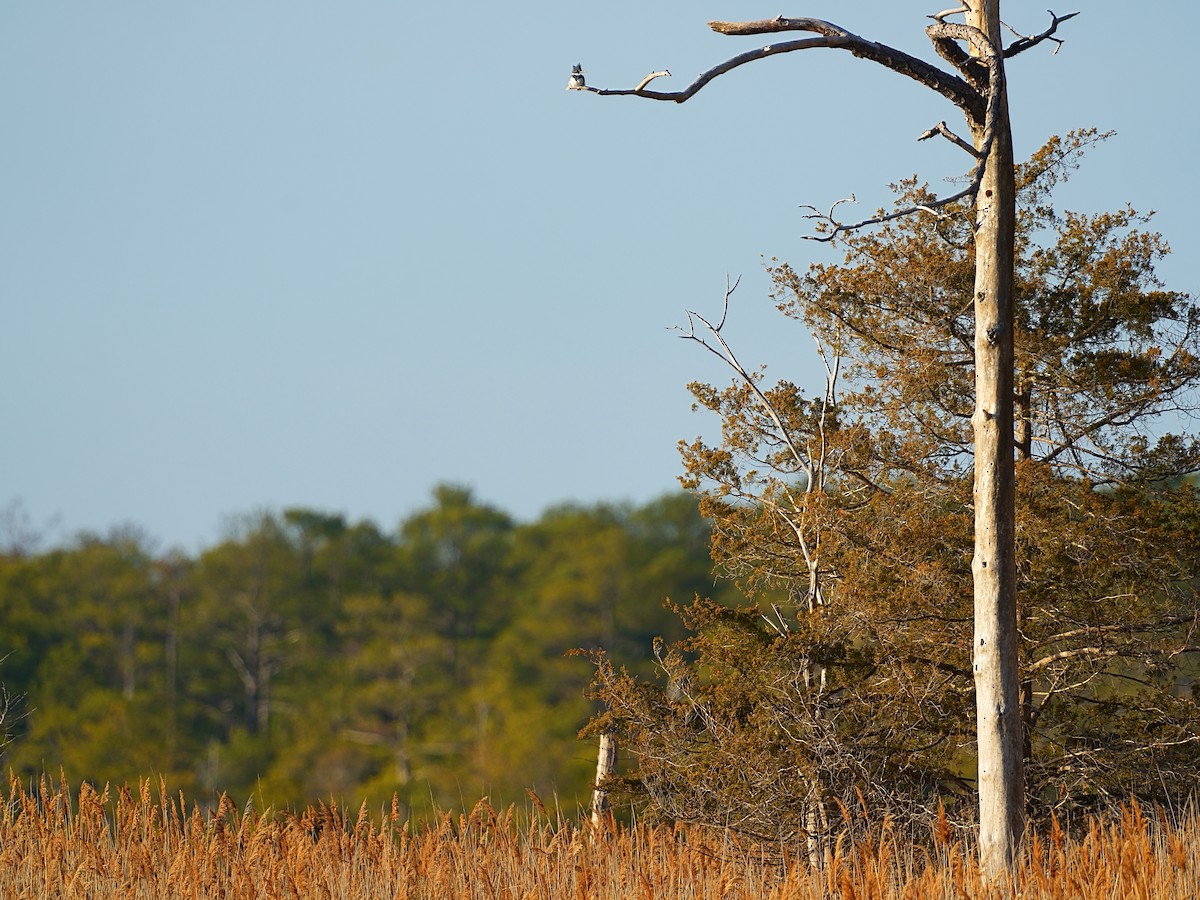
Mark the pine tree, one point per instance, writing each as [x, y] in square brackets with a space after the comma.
[847, 516]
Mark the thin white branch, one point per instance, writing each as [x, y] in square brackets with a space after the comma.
[941, 17]
[726, 354]
[1094, 652]
[649, 78]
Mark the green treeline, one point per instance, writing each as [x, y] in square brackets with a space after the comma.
[306, 657]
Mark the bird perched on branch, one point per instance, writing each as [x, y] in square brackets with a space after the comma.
[576, 83]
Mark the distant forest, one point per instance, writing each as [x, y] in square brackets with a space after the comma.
[308, 658]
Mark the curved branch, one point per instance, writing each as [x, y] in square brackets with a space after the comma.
[649, 78]
[941, 17]
[830, 36]
[949, 50]
[944, 35]
[705, 77]
[977, 93]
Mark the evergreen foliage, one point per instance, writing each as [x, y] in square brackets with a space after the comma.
[307, 658]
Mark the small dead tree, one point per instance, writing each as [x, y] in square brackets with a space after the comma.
[975, 83]
[809, 460]
[606, 767]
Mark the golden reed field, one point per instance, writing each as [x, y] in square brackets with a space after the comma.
[143, 844]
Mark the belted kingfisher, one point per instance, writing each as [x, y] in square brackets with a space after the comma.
[576, 82]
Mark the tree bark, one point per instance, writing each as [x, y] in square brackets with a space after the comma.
[997, 689]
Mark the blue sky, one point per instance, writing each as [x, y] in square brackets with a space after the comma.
[260, 254]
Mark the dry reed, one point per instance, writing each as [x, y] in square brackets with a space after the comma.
[146, 844]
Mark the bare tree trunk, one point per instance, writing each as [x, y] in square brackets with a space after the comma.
[816, 826]
[997, 688]
[606, 766]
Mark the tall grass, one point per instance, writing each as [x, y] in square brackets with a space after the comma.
[147, 844]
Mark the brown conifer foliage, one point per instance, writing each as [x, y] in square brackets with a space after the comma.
[846, 516]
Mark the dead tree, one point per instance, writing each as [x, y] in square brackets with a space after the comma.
[975, 83]
[606, 767]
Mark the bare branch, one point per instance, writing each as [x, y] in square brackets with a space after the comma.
[941, 17]
[944, 130]
[1026, 43]
[780, 23]
[989, 55]
[978, 99]
[944, 34]
[649, 78]
[705, 77]
[976, 93]
[817, 214]
[934, 207]
[1094, 652]
[780, 625]
[1132, 628]
[728, 293]
[829, 36]
[725, 353]
[948, 49]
